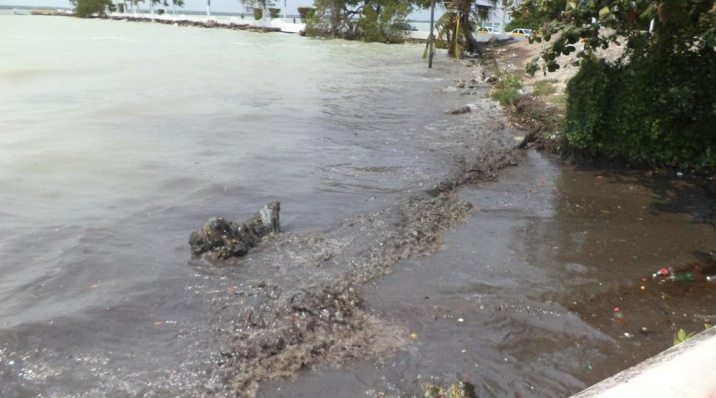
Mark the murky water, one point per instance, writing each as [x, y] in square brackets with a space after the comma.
[520, 302]
[119, 139]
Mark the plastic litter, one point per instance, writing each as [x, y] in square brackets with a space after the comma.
[711, 279]
[663, 272]
[685, 277]
[618, 315]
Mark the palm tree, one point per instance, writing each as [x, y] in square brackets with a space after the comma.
[175, 3]
[151, 5]
[134, 5]
[455, 27]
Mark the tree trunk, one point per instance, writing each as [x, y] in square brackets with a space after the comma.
[471, 44]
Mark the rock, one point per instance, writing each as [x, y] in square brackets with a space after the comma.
[458, 389]
[465, 109]
[219, 239]
[461, 389]
[459, 111]
[431, 390]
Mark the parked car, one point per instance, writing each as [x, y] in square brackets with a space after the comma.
[485, 31]
[521, 32]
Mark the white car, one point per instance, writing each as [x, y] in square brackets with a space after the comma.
[521, 32]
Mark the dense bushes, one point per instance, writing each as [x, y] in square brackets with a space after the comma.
[88, 8]
[656, 108]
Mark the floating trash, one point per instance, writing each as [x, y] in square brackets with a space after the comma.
[618, 315]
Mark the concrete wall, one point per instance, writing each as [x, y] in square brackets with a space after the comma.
[687, 370]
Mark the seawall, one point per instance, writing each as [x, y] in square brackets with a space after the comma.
[685, 370]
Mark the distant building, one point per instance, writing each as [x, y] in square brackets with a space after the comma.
[498, 14]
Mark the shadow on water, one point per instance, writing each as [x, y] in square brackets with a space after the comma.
[521, 300]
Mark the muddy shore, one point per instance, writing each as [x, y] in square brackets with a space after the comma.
[657, 307]
[275, 327]
[279, 326]
[330, 322]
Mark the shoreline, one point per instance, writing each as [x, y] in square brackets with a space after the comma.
[275, 25]
[271, 26]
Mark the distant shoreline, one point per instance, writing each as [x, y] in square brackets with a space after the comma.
[197, 20]
[183, 13]
[253, 26]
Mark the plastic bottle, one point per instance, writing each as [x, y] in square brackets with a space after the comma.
[711, 279]
[618, 315]
[685, 277]
[663, 272]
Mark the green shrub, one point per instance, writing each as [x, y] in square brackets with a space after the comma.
[505, 96]
[88, 8]
[306, 12]
[657, 110]
[507, 88]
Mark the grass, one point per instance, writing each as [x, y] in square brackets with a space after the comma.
[507, 88]
[543, 88]
[543, 106]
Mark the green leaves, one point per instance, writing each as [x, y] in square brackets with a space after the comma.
[655, 110]
[88, 8]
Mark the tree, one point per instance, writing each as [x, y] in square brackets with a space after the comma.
[456, 27]
[175, 4]
[88, 8]
[134, 4]
[151, 5]
[334, 18]
[685, 24]
[369, 20]
[383, 21]
[533, 14]
[656, 104]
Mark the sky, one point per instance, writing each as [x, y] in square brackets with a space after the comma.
[193, 5]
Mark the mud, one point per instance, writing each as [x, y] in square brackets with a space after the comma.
[302, 301]
[519, 301]
[299, 305]
[276, 330]
[526, 313]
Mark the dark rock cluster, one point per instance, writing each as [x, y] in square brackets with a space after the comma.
[220, 239]
[195, 23]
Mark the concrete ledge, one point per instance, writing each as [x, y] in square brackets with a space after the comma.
[686, 370]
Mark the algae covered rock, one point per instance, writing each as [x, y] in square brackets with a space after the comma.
[220, 239]
[461, 389]
[431, 390]
[458, 389]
